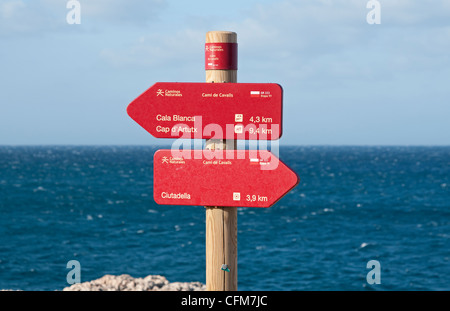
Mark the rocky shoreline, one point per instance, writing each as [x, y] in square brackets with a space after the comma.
[126, 282]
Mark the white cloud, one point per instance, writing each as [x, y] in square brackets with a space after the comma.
[41, 16]
[331, 39]
[158, 49]
[136, 12]
[311, 40]
[9, 9]
[19, 17]
[424, 13]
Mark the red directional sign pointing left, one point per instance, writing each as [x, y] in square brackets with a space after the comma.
[246, 178]
[246, 111]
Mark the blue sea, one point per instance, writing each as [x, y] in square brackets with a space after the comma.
[353, 204]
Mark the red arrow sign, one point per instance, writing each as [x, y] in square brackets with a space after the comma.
[246, 178]
[210, 110]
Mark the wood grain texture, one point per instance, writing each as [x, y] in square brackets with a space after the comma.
[215, 277]
[230, 247]
[221, 222]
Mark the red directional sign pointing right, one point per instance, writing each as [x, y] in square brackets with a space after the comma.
[246, 178]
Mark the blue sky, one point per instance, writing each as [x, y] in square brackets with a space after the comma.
[345, 82]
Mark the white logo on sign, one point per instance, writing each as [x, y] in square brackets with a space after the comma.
[236, 196]
[238, 118]
[159, 93]
[165, 160]
[238, 129]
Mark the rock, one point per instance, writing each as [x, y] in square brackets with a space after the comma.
[126, 282]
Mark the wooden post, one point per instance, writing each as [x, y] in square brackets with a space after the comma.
[221, 222]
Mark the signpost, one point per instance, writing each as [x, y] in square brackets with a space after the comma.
[219, 177]
[221, 222]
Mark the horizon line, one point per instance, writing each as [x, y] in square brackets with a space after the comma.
[168, 144]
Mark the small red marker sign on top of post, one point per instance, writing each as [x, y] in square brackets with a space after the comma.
[247, 111]
[221, 56]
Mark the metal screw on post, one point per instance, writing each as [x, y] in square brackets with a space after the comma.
[221, 222]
